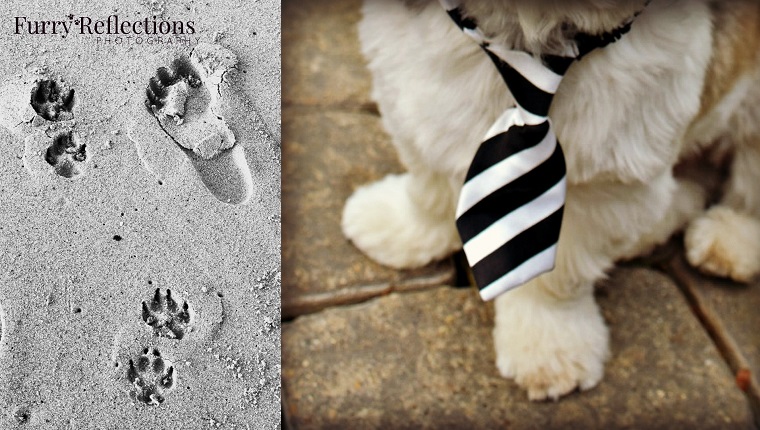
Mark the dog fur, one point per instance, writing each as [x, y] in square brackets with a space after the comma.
[684, 77]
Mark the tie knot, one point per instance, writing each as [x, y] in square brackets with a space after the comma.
[531, 80]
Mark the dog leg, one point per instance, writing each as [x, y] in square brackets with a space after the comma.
[688, 203]
[725, 241]
[550, 345]
[403, 221]
[549, 334]
[436, 115]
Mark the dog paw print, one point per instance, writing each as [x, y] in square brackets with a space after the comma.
[66, 154]
[166, 316]
[53, 101]
[167, 92]
[151, 377]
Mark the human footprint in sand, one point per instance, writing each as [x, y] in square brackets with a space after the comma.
[186, 99]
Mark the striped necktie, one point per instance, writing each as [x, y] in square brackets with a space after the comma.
[510, 208]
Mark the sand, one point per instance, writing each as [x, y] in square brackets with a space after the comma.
[139, 251]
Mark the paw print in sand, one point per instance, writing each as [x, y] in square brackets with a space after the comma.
[53, 101]
[66, 154]
[164, 314]
[151, 377]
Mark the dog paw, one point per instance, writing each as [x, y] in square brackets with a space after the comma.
[550, 349]
[151, 376]
[384, 223]
[166, 316]
[726, 243]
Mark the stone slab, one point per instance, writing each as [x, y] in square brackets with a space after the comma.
[730, 313]
[322, 64]
[425, 360]
[327, 154]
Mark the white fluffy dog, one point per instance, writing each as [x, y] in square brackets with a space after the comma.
[684, 77]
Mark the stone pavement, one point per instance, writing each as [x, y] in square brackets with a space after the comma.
[365, 346]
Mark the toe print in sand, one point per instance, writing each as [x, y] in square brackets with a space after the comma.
[151, 377]
[186, 100]
[165, 316]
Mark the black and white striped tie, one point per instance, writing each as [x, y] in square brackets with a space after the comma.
[510, 208]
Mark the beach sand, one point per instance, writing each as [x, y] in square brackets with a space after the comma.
[103, 212]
